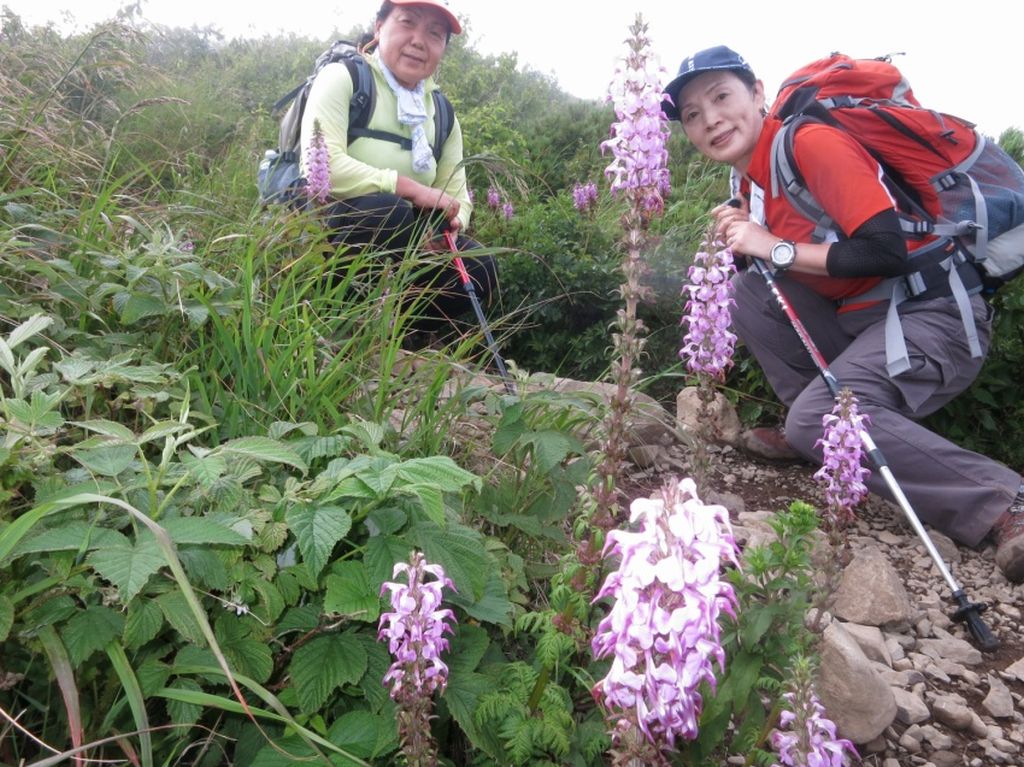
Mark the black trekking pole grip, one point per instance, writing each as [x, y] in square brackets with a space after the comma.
[970, 613]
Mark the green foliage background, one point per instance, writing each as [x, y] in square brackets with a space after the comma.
[212, 455]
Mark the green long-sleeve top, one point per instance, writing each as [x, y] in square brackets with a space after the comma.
[370, 165]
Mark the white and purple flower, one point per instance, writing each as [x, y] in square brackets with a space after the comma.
[662, 632]
[708, 345]
[842, 470]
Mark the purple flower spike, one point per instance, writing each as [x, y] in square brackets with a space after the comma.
[842, 470]
[415, 630]
[584, 196]
[318, 179]
[811, 738]
[708, 345]
[507, 210]
[638, 139]
[662, 631]
[493, 198]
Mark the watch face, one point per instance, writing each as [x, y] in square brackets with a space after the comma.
[783, 254]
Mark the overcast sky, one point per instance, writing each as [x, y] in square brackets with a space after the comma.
[959, 59]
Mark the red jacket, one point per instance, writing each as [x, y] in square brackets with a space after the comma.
[841, 175]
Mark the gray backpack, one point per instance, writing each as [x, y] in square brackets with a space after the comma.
[279, 177]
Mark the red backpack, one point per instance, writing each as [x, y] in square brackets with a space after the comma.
[949, 181]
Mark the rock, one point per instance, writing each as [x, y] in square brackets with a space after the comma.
[855, 697]
[721, 419]
[951, 713]
[951, 648]
[871, 642]
[910, 709]
[872, 593]
[998, 703]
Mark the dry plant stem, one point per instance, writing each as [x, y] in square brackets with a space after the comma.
[628, 345]
[634, 749]
[701, 464]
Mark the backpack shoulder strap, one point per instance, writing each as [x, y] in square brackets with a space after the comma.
[444, 119]
[364, 95]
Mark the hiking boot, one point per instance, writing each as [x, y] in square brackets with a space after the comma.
[769, 442]
[1009, 535]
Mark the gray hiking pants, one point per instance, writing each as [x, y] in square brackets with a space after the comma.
[958, 492]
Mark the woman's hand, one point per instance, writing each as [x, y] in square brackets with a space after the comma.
[429, 198]
[735, 229]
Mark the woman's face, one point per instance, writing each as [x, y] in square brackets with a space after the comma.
[721, 115]
[412, 40]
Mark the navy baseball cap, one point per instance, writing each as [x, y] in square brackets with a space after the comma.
[707, 60]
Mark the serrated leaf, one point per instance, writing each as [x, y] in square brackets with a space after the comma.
[431, 501]
[378, 661]
[549, 449]
[467, 647]
[51, 610]
[201, 531]
[136, 306]
[304, 618]
[90, 630]
[128, 566]
[382, 552]
[70, 536]
[437, 470]
[107, 428]
[204, 567]
[263, 449]
[35, 324]
[6, 617]
[350, 593]
[143, 624]
[152, 675]
[180, 711]
[207, 469]
[323, 665]
[179, 615]
[161, 430]
[363, 734]
[106, 461]
[460, 550]
[246, 655]
[493, 606]
[318, 529]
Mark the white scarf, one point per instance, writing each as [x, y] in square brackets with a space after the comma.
[412, 111]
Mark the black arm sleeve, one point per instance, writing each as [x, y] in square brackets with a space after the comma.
[876, 249]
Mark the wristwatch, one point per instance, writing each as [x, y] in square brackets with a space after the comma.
[783, 254]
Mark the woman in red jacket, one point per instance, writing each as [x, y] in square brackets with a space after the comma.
[721, 105]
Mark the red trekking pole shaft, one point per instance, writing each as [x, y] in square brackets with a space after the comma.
[467, 285]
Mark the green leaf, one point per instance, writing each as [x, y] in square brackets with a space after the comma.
[245, 654]
[200, 530]
[550, 449]
[34, 325]
[350, 593]
[493, 605]
[382, 553]
[461, 551]
[107, 428]
[323, 665]
[143, 624]
[180, 711]
[70, 536]
[364, 734]
[263, 449]
[136, 306]
[203, 566]
[91, 630]
[106, 461]
[207, 469]
[431, 500]
[378, 661]
[467, 648]
[178, 613]
[128, 566]
[318, 529]
[440, 471]
[52, 610]
[6, 617]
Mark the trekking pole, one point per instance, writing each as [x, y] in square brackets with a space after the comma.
[467, 285]
[967, 611]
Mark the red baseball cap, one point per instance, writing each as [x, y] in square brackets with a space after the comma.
[442, 6]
